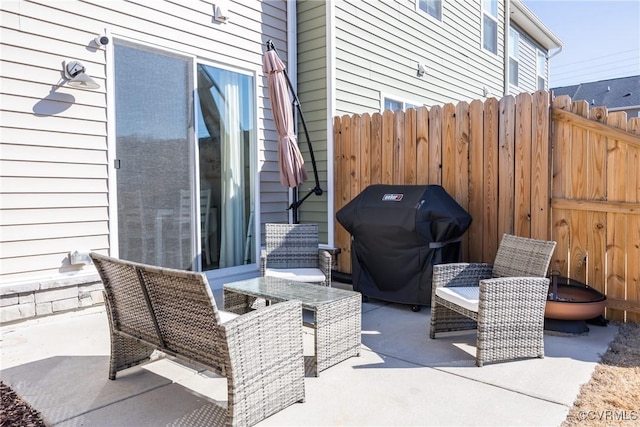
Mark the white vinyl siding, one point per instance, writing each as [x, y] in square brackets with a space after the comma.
[53, 143]
[374, 56]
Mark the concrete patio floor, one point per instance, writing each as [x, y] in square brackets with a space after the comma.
[59, 364]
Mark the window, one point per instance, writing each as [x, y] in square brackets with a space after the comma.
[398, 105]
[432, 7]
[514, 39]
[393, 105]
[542, 70]
[490, 26]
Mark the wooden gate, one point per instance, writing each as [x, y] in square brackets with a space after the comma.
[595, 202]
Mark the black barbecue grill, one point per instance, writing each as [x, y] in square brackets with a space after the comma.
[398, 233]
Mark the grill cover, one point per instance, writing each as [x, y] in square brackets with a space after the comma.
[398, 233]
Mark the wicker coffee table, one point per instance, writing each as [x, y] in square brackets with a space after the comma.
[336, 314]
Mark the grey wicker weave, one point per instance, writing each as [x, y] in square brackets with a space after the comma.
[294, 246]
[512, 294]
[260, 353]
[336, 314]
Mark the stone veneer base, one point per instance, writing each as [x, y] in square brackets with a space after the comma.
[27, 300]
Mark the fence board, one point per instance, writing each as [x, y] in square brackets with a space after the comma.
[461, 177]
[597, 178]
[633, 267]
[490, 185]
[633, 224]
[435, 145]
[354, 156]
[365, 151]
[596, 190]
[561, 161]
[597, 248]
[578, 246]
[506, 164]
[541, 175]
[376, 149]
[476, 180]
[561, 149]
[522, 194]
[462, 164]
[422, 145]
[578, 147]
[448, 169]
[398, 147]
[344, 260]
[616, 222]
[410, 160]
[387, 147]
[461, 193]
[578, 153]
[561, 219]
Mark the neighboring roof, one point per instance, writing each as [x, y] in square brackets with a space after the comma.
[620, 93]
[530, 23]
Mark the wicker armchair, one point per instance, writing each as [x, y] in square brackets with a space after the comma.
[505, 301]
[173, 311]
[291, 252]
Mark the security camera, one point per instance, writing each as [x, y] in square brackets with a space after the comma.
[101, 40]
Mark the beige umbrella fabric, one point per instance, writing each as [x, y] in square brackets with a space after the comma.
[292, 171]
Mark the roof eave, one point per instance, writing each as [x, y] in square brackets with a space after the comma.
[530, 23]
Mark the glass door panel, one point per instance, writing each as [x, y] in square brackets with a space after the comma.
[154, 157]
[225, 114]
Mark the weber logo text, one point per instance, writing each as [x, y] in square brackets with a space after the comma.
[392, 197]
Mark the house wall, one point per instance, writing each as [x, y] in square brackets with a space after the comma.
[53, 139]
[379, 46]
[528, 63]
[313, 95]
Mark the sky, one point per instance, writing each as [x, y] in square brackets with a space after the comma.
[601, 38]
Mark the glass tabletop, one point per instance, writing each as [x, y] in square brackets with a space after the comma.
[281, 289]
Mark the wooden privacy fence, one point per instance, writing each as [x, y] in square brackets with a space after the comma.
[596, 202]
[496, 159]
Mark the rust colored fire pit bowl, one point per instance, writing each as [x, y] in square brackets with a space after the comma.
[570, 299]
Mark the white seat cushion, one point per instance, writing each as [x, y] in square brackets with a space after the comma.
[311, 275]
[225, 316]
[464, 296]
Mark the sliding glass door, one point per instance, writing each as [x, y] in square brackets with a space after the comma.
[183, 162]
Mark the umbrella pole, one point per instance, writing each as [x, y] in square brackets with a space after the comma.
[317, 190]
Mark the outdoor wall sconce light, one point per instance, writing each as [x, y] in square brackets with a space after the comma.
[76, 76]
[421, 70]
[220, 13]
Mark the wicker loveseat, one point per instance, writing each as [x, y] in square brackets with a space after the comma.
[173, 311]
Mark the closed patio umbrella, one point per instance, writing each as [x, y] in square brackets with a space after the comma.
[292, 170]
